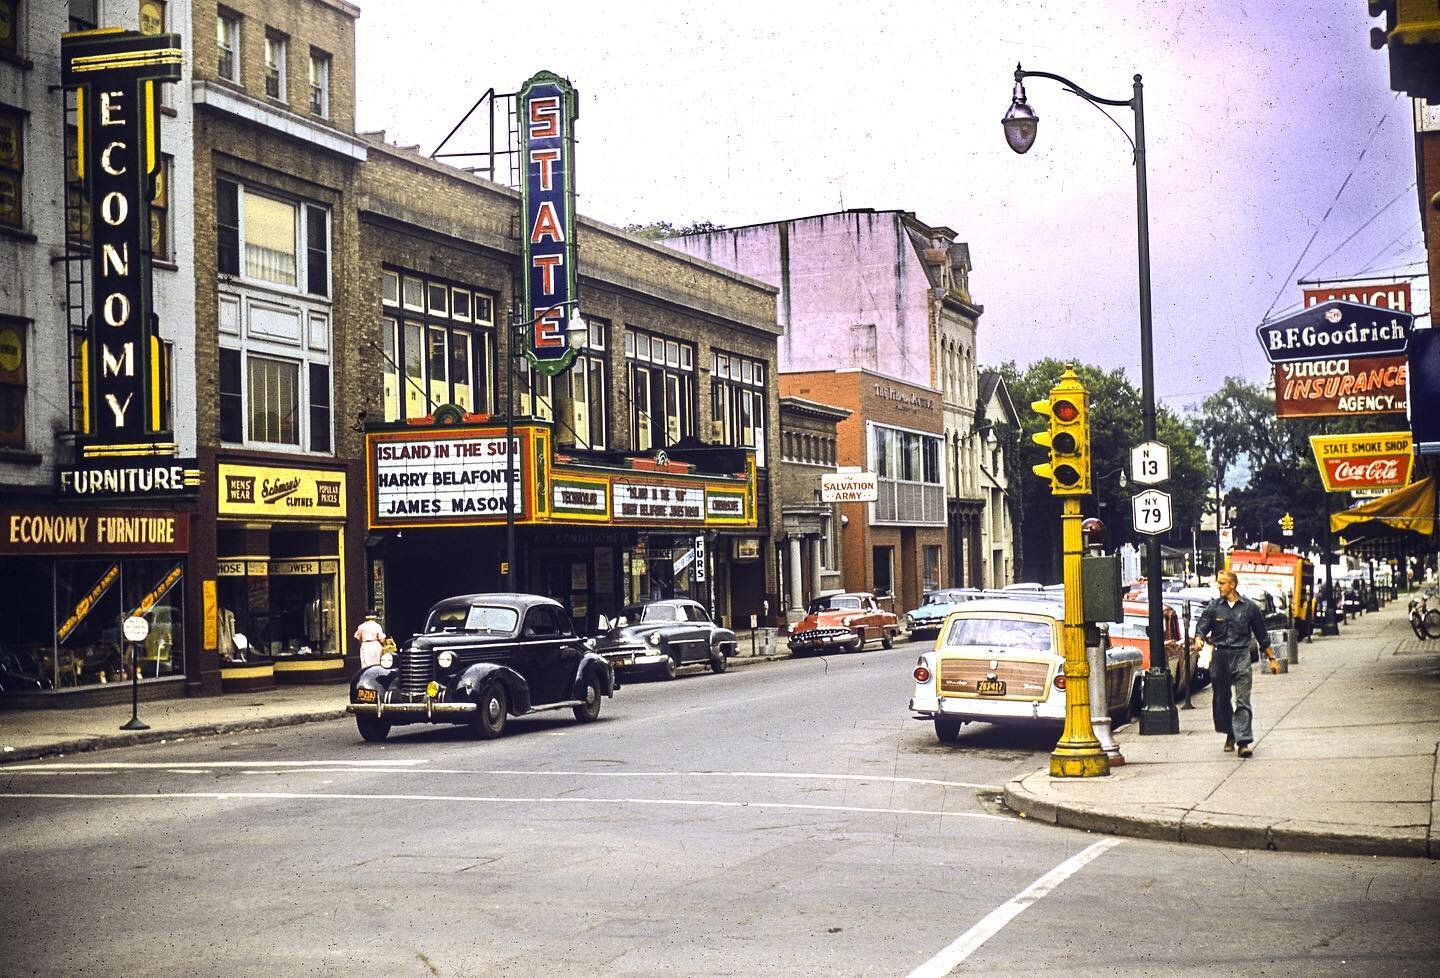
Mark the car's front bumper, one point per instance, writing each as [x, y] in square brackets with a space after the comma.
[847, 640]
[634, 658]
[427, 708]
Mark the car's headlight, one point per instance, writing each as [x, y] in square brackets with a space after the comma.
[653, 638]
[446, 659]
[387, 660]
[846, 621]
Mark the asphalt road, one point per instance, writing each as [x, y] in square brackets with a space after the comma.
[782, 819]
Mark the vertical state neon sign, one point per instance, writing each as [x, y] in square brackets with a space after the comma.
[114, 75]
[547, 200]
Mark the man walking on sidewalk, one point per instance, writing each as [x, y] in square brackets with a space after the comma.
[1229, 622]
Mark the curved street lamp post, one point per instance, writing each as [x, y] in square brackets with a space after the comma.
[1159, 714]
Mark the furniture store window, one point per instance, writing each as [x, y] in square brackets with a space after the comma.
[12, 167]
[13, 337]
[227, 45]
[319, 83]
[662, 389]
[10, 27]
[738, 401]
[438, 344]
[587, 379]
[277, 50]
[267, 239]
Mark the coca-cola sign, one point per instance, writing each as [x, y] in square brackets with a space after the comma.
[1369, 461]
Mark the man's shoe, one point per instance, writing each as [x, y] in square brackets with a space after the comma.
[1229, 744]
[1245, 750]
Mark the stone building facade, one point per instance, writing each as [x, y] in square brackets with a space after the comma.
[895, 546]
[812, 550]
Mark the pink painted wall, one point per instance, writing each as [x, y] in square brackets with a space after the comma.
[834, 271]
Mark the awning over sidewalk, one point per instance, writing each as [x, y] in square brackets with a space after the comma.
[1411, 508]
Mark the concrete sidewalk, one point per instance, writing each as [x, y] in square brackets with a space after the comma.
[28, 734]
[1345, 758]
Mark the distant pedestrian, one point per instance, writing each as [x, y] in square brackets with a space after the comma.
[371, 637]
[1229, 622]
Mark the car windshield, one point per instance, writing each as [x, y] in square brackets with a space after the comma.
[1014, 633]
[836, 602]
[463, 616]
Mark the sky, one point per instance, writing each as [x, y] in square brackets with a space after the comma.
[1257, 114]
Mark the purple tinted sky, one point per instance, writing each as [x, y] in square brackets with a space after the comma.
[749, 110]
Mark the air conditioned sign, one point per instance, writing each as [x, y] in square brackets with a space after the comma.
[1369, 461]
[547, 201]
[113, 76]
[1335, 329]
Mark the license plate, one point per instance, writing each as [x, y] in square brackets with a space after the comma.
[990, 687]
[365, 696]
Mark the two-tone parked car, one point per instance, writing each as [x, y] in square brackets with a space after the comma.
[999, 660]
[925, 620]
[480, 659]
[662, 636]
[843, 621]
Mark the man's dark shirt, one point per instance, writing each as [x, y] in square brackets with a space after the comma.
[1229, 627]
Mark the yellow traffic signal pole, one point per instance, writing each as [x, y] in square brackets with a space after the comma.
[1078, 753]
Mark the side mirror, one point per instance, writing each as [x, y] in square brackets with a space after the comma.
[603, 624]
[241, 642]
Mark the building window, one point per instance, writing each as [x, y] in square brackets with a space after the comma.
[738, 401]
[662, 389]
[83, 16]
[232, 399]
[829, 552]
[274, 401]
[438, 346]
[227, 44]
[273, 397]
[319, 83]
[160, 212]
[912, 488]
[152, 17]
[12, 382]
[276, 48]
[587, 380]
[10, 27]
[930, 570]
[12, 167]
[266, 236]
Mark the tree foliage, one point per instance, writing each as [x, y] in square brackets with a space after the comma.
[1116, 427]
[659, 230]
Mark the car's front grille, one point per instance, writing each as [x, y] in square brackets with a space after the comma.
[816, 634]
[416, 670]
[1023, 680]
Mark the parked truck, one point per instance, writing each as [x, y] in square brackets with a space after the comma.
[1278, 571]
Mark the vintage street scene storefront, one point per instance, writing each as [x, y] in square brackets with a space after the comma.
[70, 577]
[280, 575]
[594, 536]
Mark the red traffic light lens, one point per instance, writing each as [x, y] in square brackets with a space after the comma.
[1065, 411]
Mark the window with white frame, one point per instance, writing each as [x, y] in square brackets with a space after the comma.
[912, 485]
[275, 390]
[737, 386]
[319, 83]
[439, 345]
[662, 389]
[829, 552]
[588, 388]
[277, 47]
[266, 238]
[227, 45]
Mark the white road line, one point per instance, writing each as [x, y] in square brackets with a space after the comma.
[327, 796]
[970, 941]
[412, 767]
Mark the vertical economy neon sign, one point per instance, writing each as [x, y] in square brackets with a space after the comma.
[547, 200]
[114, 75]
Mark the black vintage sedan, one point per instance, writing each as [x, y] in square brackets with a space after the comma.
[664, 635]
[481, 659]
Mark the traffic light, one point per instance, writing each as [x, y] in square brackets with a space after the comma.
[1067, 437]
[1412, 33]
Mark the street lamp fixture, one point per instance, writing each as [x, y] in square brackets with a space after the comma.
[575, 335]
[1159, 714]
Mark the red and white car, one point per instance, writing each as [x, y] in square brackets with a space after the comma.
[843, 621]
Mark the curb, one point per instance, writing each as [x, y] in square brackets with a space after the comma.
[1192, 828]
